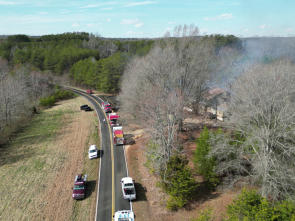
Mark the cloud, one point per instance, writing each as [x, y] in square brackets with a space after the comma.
[235, 4]
[224, 16]
[98, 5]
[107, 9]
[43, 13]
[75, 25]
[7, 3]
[133, 34]
[138, 25]
[129, 21]
[135, 22]
[132, 4]
[109, 20]
[64, 11]
[89, 25]
[264, 26]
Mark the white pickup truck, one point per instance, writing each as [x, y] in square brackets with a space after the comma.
[128, 188]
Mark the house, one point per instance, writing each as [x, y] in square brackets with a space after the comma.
[216, 103]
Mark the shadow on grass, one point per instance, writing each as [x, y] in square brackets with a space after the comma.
[10, 156]
[90, 188]
[202, 194]
[140, 192]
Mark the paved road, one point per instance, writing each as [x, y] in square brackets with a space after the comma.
[105, 204]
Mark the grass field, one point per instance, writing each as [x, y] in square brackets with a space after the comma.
[38, 166]
[85, 209]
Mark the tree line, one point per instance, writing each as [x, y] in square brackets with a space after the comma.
[20, 91]
[69, 52]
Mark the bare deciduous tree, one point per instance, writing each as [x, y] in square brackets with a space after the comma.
[262, 111]
[155, 88]
[19, 92]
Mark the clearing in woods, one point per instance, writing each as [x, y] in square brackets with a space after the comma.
[37, 168]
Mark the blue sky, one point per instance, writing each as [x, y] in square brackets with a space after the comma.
[148, 18]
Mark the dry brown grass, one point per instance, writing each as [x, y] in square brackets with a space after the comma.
[38, 167]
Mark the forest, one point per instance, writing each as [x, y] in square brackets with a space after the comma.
[155, 79]
[30, 66]
[71, 53]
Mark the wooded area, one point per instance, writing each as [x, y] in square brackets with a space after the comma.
[72, 53]
[176, 73]
[255, 145]
[156, 79]
[20, 91]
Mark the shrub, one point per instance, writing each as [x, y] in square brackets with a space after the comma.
[204, 165]
[249, 206]
[174, 203]
[205, 215]
[47, 101]
[63, 94]
[178, 182]
[284, 211]
[58, 95]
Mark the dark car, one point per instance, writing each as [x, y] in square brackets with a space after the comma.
[83, 107]
[88, 109]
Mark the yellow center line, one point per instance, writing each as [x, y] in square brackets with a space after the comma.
[113, 167]
[112, 156]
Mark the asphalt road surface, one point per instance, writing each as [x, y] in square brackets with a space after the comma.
[105, 205]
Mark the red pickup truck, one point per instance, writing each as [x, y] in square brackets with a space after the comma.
[79, 187]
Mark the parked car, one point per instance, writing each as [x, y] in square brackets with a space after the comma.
[89, 91]
[93, 152]
[79, 187]
[128, 188]
[88, 109]
[124, 215]
[83, 107]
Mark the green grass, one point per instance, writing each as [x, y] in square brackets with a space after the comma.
[43, 128]
[25, 163]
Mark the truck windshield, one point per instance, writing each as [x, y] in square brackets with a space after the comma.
[78, 187]
[92, 151]
[128, 191]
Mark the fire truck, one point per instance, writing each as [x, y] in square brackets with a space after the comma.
[113, 118]
[118, 135]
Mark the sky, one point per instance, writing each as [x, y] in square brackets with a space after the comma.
[147, 18]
